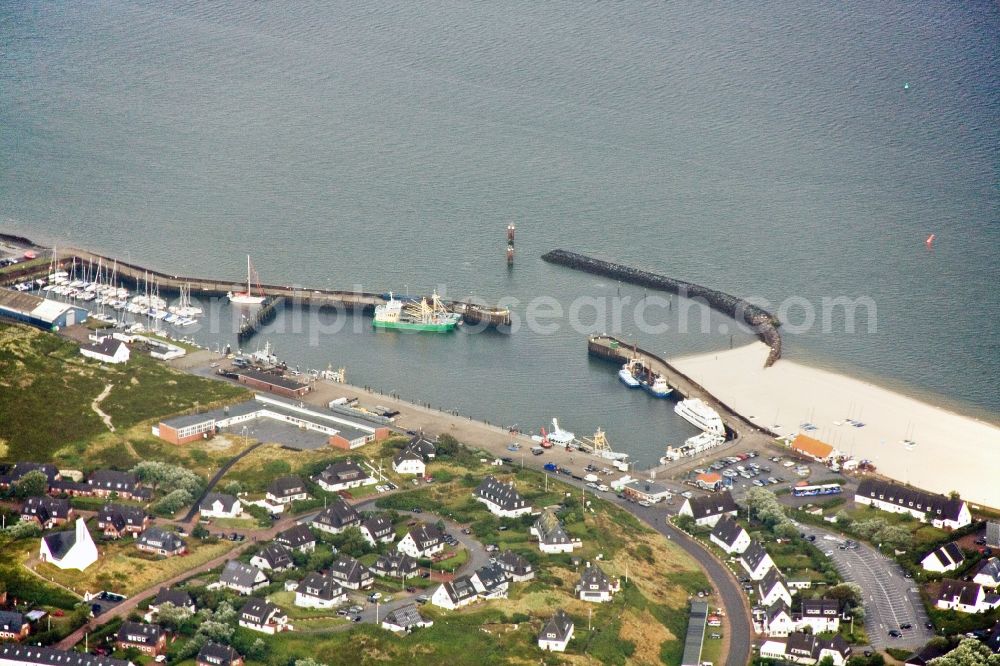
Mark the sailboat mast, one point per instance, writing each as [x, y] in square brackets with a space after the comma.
[248, 275]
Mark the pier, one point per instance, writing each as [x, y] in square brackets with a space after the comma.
[738, 427]
[263, 315]
[355, 301]
[760, 320]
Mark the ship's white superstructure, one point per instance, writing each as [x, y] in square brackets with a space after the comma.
[701, 416]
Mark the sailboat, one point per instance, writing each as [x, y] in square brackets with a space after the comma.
[247, 297]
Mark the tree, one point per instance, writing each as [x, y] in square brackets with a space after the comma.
[32, 484]
[172, 616]
[172, 502]
[826, 661]
[895, 537]
[351, 542]
[970, 652]
[200, 532]
[25, 529]
[274, 468]
[844, 519]
[850, 593]
[766, 508]
[308, 661]
[447, 446]
[233, 488]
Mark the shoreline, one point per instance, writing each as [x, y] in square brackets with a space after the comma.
[953, 451]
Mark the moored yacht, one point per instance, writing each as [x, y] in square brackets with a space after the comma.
[701, 416]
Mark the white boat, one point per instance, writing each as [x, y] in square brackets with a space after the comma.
[560, 436]
[247, 297]
[701, 416]
[626, 378]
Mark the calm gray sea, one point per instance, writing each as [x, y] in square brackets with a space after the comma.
[769, 149]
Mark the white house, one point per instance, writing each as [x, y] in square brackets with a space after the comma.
[455, 594]
[594, 585]
[71, 549]
[988, 573]
[775, 620]
[708, 510]
[772, 588]
[377, 528]
[966, 597]
[552, 537]
[263, 616]
[945, 558]
[241, 578]
[318, 591]
[273, 556]
[938, 510]
[421, 541]
[501, 498]
[819, 615]
[286, 490]
[409, 461]
[343, 476]
[556, 633]
[730, 536]
[220, 505]
[807, 649]
[405, 619]
[756, 561]
[106, 350]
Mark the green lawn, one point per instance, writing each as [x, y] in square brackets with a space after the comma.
[43, 379]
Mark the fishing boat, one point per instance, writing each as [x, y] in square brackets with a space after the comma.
[425, 315]
[560, 436]
[598, 446]
[248, 297]
[701, 416]
[644, 377]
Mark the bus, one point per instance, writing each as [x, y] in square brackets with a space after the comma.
[806, 491]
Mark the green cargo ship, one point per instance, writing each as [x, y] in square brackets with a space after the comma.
[430, 316]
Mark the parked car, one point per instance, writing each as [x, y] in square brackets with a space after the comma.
[895, 633]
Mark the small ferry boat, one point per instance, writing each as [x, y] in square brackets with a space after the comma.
[626, 378]
[247, 297]
[425, 315]
[701, 416]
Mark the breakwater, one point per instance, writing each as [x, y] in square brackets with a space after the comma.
[760, 320]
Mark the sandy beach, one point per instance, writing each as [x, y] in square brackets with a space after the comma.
[953, 452]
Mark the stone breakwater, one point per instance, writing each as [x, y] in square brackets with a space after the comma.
[760, 320]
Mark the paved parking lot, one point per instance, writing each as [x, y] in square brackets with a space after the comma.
[890, 599]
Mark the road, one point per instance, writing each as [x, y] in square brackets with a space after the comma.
[214, 480]
[890, 598]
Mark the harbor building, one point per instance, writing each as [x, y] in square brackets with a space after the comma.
[272, 383]
[42, 313]
[340, 431]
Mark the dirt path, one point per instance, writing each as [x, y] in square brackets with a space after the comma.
[96, 406]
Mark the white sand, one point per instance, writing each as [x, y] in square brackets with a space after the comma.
[953, 452]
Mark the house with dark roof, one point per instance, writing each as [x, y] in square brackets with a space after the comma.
[988, 573]
[992, 639]
[756, 561]
[336, 517]
[421, 541]
[342, 476]
[490, 582]
[395, 564]
[16, 654]
[425, 447]
[216, 654]
[772, 587]
[161, 542]
[241, 578]
[286, 489]
[298, 537]
[273, 556]
[350, 573]
[594, 585]
[926, 654]
[774, 620]
[13, 626]
[556, 633]
[802, 648]
[220, 505]
[938, 510]
[552, 537]
[455, 594]
[71, 549]
[17, 472]
[517, 567]
[118, 520]
[319, 591]
[405, 619]
[106, 350]
[730, 535]
[176, 598]
[708, 510]
[818, 614]
[149, 639]
[945, 558]
[376, 528]
[46, 511]
[108, 482]
[501, 498]
[966, 597]
[409, 461]
[263, 616]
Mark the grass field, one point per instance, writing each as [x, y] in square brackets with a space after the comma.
[123, 568]
[43, 379]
